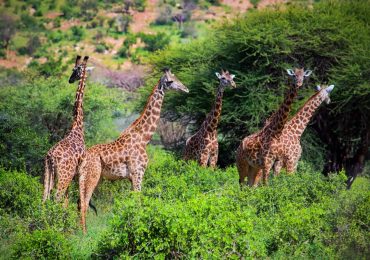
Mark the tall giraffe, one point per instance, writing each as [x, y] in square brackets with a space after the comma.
[203, 145]
[254, 152]
[62, 159]
[125, 157]
[287, 148]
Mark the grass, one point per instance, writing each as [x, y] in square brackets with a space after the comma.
[83, 245]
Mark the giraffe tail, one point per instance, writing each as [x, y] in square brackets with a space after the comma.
[91, 205]
[49, 177]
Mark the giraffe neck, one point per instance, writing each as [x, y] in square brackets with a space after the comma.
[212, 119]
[146, 124]
[278, 119]
[299, 122]
[78, 115]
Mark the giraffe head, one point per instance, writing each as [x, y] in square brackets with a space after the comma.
[325, 92]
[78, 69]
[169, 81]
[299, 75]
[226, 79]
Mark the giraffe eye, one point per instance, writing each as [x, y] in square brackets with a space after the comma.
[169, 82]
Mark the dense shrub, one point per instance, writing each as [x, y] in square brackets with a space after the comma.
[124, 50]
[331, 38]
[19, 193]
[100, 48]
[42, 244]
[78, 33]
[192, 212]
[154, 42]
[29, 129]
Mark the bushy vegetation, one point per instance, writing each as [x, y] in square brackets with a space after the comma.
[38, 112]
[187, 211]
[331, 38]
[30, 229]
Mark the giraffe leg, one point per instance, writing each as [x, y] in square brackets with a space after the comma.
[64, 180]
[266, 170]
[90, 171]
[253, 177]
[291, 166]
[257, 178]
[203, 158]
[213, 157]
[277, 167]
[137, 170]
[243, 169]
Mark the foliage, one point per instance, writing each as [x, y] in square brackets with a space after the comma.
[19, 194]
[100, 48]
[78, 33]
[32, 45]
[28, 227]
[192, 212]
[7, 29]
[29, 129]
[154, 42]
[331, 38]
[42, 244]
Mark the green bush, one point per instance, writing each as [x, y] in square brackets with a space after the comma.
[124, 50]
[192, 212]
[55, 36]
[78, 33]
[100, 48]
[19, 194]
[42, 244]
[154, 42]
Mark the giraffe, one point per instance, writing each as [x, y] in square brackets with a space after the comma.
[125, 157]
[203, 145]
[62, 159]
[253, 152]
[288, 148]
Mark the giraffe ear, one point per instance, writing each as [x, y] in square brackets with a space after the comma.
[232, 76]
[218, 75]
[318, 88]
[307, 73]
[290, 72]
[330, 88]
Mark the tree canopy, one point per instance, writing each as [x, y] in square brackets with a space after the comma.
[331, 38]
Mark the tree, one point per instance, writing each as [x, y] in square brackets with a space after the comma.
[7, 29]
[331, 38]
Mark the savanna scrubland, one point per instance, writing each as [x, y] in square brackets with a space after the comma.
[185, 211]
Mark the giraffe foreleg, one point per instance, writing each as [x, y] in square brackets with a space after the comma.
[203, 158]
[266, 170]
[278, 165]
[213, 156]
[257, 176]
